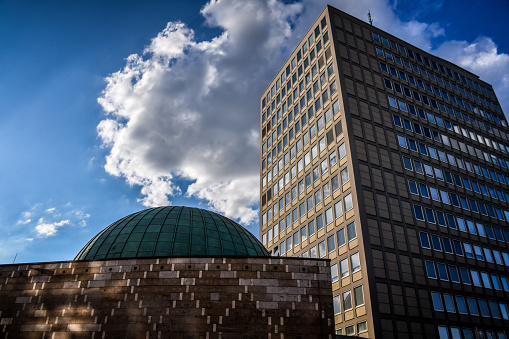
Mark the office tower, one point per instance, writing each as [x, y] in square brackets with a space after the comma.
[392, 163]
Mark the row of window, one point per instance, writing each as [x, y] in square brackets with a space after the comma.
[440, 195]
[454, 179]
[434, 135]
[451, 332]
[333, 212]
[460, 202]
[319, 195]
[475, 307]
[313, 130]
[430, 63]
[350, 330]
[444, 123]
[465, 183]
[450, 126]
[343, 302]
[464, 225]
[300, 104]
[438, 92]
[453, 199]
[321, 251]
[468, 277]
[297, 63]
[447, 245]
[303, 162]
[309, 179]
[297, 147]
[296, 60]
[448, 158]
[293, 95]
[458, 145]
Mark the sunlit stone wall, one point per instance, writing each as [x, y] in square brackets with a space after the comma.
[168, 297]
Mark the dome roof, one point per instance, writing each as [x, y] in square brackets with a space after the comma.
[172, 231]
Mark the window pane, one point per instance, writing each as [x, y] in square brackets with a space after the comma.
[352, 233]
[356, 262]
[347, 300]
[358, 296]
[337, 304]
[333, 270]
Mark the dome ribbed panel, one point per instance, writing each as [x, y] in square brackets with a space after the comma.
[173, 231]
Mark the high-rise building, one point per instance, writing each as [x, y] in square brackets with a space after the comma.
[392, 163]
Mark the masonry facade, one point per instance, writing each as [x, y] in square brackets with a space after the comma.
[392, 163]
[168, 297]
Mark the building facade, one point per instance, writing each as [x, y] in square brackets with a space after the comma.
[169, 272]
[393, 163]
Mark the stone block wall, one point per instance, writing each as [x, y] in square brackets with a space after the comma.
[168, 298]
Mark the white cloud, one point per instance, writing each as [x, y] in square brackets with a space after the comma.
[51, 210]
[45, 230]
[482, 58]
[188, 109]
[24, 222]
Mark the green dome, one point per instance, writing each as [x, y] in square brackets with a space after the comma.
[173, 231]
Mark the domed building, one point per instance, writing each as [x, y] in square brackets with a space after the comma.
[169, 272]
[172, 232]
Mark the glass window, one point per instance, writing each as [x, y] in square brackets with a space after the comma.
[344, 176]
[347, 300]
[319, 222]
[341, 237]
[358, 295]
[343, 265]
[472, 306]
[311, 227]
[462, 306]
[312, 254]
[328, 216]
[437, 301]
[483, 307]
[419, 215]
[430, 269]
[363, 327]
[442, 332]
[331, 245]
[442, 272]
[333, 268]
[348, 202]
[424, 240]
[350, 229]
[449, 303]
[336, 301]
[356, 262]
[350, 330]
[321, 249]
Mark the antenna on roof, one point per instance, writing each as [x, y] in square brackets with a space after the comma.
[15, 258]
[369, 18]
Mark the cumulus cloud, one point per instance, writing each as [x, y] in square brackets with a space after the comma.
[36, 224]
[482, 57]
[48, 220]
[45, 230]
[188, 110]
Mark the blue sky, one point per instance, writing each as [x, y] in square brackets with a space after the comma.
[109, 107]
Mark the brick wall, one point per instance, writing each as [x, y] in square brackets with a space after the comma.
[167, 297]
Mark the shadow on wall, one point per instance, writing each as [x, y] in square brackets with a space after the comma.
[156, 298]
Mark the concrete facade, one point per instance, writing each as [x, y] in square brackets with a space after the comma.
[168, 298]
